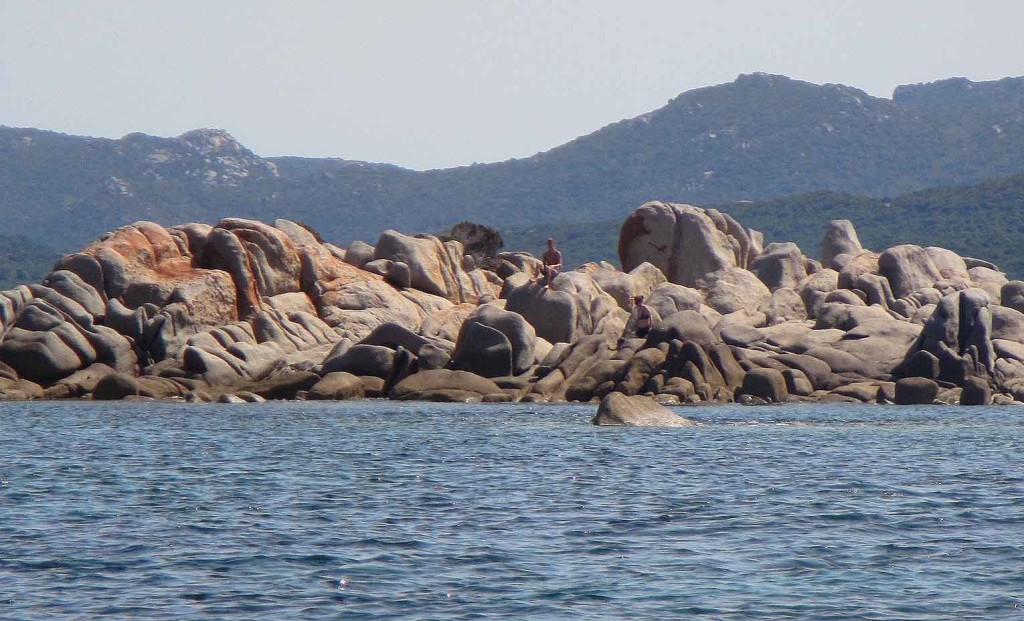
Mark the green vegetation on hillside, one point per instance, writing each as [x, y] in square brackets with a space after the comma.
[832, 150]
[982, 221]
[24, 261]
[760, 137]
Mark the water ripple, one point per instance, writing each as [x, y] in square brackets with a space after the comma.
[419, 511]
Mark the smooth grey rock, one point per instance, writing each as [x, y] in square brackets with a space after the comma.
[482, 350]
[686, 325]
[767, 384]
[740, 335]
[372, 360]
[392, 335]
[1012, 295]
[908, 268]
[114, 387]
[781, 265]
[976, 391]
[398, 275]
[379, 267]
[359, 253]
[620, 410]
[840, 239]
[520, 334]
[440, 380]
[916, 391]
[732, 290]
[817, 371]
[337, 387]
[430, 356]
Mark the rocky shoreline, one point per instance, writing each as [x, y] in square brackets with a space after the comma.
[245, 311]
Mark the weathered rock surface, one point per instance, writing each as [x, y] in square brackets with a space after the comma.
[573, 306]
[916, 391]
[686, 243]
[337, 386]
[434, 266]
[839, 244]
[767, 384]
[521, 336]
[248, 311]
[619, 410]
[443, 385]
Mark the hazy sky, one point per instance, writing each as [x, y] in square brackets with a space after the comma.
[429, 84]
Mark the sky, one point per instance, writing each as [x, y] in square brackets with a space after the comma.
[435, 84]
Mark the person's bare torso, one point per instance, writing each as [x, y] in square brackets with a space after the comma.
[644, 319]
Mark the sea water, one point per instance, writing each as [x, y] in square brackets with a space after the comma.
[381, 510]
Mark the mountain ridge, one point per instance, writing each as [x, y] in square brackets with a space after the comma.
[759, 137]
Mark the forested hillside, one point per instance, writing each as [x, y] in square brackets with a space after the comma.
[758, 138]
[24, 261]
[983, 221]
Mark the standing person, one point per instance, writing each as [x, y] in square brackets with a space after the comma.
[552, 262]
[644, 318]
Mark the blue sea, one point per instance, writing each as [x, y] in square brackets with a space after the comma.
[381, 510]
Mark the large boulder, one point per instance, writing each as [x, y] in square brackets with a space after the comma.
[814, 289]
[638, 411]
[147, 265]
[1007, 324]
[624, 286]
[767, 384]
[839, 244]
[976, 392]
[373, 360]
[435, 267]
[393, 335]
[959, 334]
[1012, 295]
[880, 344]
[114, 387]
[816, 371]
[572, 307]
[565, 364]
[916, 391]
[780, 265]
[337, 387]
[520, 335]
[483, 350]
[358, 254]
[226, 363]
[46, 355]
[445, 324]
[908, 268]
[639, 369]
[990, 280]
[686, 243]
[784, 305]
[732, 290]
[284, 385]
[430, 385]
[261, 259]
[951, 266]
[669, 298]
[686, 325]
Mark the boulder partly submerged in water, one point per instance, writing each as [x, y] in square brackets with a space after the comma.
[617, 409]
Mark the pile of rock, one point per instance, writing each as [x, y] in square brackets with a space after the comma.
[244, 311]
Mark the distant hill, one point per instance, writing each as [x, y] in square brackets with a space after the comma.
[758, 138]
[982, 220]
[24, 261]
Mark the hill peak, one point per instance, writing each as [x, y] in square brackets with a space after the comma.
[213, 142]
[959, 92]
